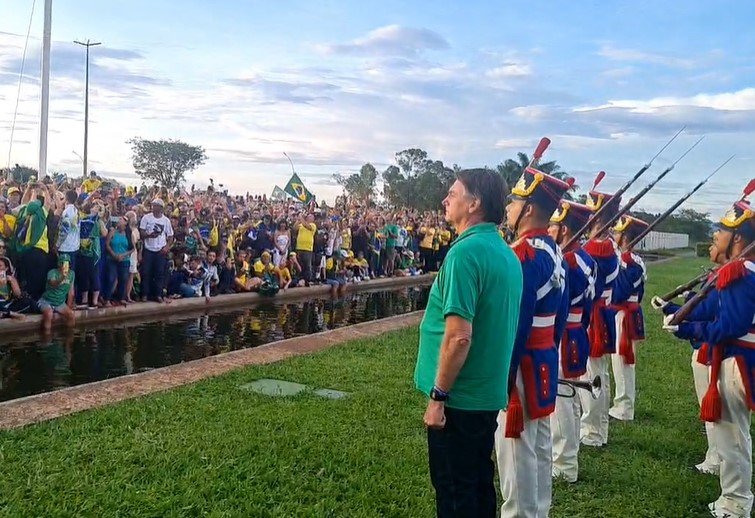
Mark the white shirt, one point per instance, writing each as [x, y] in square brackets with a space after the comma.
[149, 223]
[68, 236]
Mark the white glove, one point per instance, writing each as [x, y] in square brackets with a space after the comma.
[667, 324]
[658, 303]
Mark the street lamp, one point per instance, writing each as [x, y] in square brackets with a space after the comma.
[86, 101]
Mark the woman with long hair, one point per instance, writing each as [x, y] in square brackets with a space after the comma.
[119, 246]
[133, 265]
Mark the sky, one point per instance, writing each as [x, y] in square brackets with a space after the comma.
[338, 84]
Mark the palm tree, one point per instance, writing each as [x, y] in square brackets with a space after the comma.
[511, 170]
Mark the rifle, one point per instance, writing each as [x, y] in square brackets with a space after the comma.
[692, 303]
[618, 194]
[676, 205]
[644, 191]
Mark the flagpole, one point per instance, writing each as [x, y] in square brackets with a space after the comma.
[290, 161]
[45, 95]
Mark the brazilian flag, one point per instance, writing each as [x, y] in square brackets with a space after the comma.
[296, 188]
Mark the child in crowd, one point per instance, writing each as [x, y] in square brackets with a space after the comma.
[58, 294]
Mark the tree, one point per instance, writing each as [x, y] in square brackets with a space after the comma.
[165, 162]
[695, 224]
[511, 170]
[416, 181]
[359, 186]
[20, 173]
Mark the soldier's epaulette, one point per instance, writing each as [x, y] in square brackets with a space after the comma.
[524, 250]
[599, 248]
[730, 272]
[571, 259]
[627, 258]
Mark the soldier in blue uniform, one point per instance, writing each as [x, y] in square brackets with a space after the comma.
[604, 250]
[629, 320]
[575, 345]
[523, 438]
[701, 357]
[729, 329]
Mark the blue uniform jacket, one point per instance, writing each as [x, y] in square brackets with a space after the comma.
[575, 344]
[602, 330]
[542, 320]
[732, 326]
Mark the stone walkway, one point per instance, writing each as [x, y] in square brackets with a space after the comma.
[43, 407]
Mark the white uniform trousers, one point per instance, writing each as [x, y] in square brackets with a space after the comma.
[594, 425]
[732, 436]
[524, 466]
[565, 434]
[623, 375]
[701, 375]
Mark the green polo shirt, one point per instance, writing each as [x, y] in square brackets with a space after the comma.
[480, 281]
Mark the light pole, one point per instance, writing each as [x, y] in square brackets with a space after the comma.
[86, 101]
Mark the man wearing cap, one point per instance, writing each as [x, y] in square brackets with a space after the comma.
[58, 294]
[727, 326]
[466, 338]
[14, 199]
[157, 234]
[604, 250]
[574, 349]
[91, 184]
[630, 322]
[523, 439]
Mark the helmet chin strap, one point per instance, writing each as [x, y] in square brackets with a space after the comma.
[515, 230]
[730, 246]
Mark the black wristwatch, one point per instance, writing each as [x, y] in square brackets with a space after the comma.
[437, 394]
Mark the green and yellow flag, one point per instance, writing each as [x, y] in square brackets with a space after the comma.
[296, 188]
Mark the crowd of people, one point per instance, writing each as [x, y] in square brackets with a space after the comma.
[86, 243]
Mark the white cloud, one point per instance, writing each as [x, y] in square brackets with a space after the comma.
[390, 40]
[640, 56]
[510, 69]
[515, 143]
[730, 101]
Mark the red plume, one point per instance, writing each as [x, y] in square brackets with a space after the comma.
[570, 181]
[598, 179]
[750, 187]
[541, 147]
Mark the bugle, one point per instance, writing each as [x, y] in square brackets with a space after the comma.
[594, 387]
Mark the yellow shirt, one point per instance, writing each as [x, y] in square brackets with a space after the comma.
[10, 225]
[346, 239]
[427, 241]
[445, 237]
[362, 263]
[305, 239]
[259, 268]
[89, 185]
[285, 275]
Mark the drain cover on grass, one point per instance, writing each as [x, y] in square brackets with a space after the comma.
[271, 387]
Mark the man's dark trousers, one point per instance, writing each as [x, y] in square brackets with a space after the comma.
[461, 464]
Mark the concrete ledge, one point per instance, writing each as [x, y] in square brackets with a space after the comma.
[155, 311]
[50, 405]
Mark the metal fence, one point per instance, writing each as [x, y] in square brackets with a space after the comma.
[663, 241]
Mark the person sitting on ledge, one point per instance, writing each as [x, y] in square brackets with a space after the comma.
[58, 294]
[335, 274]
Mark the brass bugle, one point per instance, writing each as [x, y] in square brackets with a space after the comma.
[594, 387]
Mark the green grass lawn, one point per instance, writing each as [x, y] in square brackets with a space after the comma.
[211, 449]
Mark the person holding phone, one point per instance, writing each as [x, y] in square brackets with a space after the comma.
[157, 234]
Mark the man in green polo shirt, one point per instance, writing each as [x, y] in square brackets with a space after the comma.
[466, 340]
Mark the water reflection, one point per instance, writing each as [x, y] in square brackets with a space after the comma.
[86, 355]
